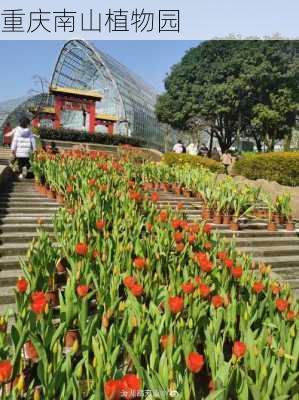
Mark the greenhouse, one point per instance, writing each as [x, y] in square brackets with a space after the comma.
[122, 103]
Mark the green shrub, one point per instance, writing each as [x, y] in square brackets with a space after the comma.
[280, 167]
[85, 137]
[194, 161]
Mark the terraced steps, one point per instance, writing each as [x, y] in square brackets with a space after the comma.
[23, 212]
[280, 249]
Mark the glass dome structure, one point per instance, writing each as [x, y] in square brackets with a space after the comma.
[126, 96]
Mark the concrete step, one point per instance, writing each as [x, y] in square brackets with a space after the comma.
[7, 296]
[20, 212]
[294, 283]
[267, 241]
[12, 204]
[279, 261]
[26, 227]
[9, 277]
[26, 218]
[18, 237]
[251, 233]
[10, 249]
[9, 262]
[271, 250]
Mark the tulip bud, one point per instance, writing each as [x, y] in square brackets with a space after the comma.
[55, 348]
[75, 346]
[170, 375]
[134, 321]
[245, 316]
[29, 268]
[122, 306]
[21, 382]
[37, 394]
[155, 277]
[255, 351]
[281, 352]
[178, 268]
[292, 331]
[50, 369]
[94, 362]
[105, 321]
[158, 256]
[190, 323]
[263, 371]
[79, 371]
[47, 308]
[23, 315]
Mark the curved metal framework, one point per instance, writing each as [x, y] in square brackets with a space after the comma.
[126, 98]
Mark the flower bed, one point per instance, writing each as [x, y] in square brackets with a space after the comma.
[130, 298]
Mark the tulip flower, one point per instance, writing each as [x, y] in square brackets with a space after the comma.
[22, 285]
[112, 390]
[237, 272]
[258, 287]
[188, 287]
[239, 349]
[139, 263]
[176, 304]
[204, 290]
[39, 302]
[281, 304]
[178, 237]
[100, 224]
[5, 371]
[217, 301]
[195, 362]
[82, 290]
[136, 290]
[81, 249]
[129, 281]
[167, 340]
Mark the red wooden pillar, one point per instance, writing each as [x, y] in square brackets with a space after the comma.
[35, 122]
[92, 117]
[110, 127]
[58, 103]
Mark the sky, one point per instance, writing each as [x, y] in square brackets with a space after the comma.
[22, 60]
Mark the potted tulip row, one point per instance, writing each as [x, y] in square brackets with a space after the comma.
[147, 302]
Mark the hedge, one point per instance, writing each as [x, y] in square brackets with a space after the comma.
[194, 161]
[85, 137]
[280, 167]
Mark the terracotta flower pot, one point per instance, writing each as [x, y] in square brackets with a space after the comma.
[187, 193]
[290, 226]
[30, 352]
[43, 190]
[70, 337]
[278, 219]
[3, 327]
[52, 298]
[51, 194]
[272, 227]
[206, 213]
[217, 219]
[235, 226]
[226, 219]
[178, 190]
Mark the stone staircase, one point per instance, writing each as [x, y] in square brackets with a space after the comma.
[22, 212]
[5, 155]
[279, 249]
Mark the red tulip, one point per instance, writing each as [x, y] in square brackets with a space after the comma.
[179, 247]
[228, 263]
[207, 228]
[217, 301]
[167, 340]
[258, 287]
[281, 304]
[81, 249]
[100, 224]
[208, 245]
[22, 285]
[139, 262]
[275, 289]
[194, 228]
[82, 290]
[92, 182]
[176, 304]
[192, 239]
[237, 272]
[206, 265]
[197, 280]
[154, 197]
[129, 281]
[5, 371]
[176, 224]
[188, 287]
[149, 227]
[39, 302]
[163, 216]
[221, 255]
[178, 237]
[130, 386]
[96, 254]
[204, 290]
[112, 390]
[69, 188]
[136, 290]
[239, 349]
[291, 315]
[195, 362]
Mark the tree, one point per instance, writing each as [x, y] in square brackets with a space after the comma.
[230, 84]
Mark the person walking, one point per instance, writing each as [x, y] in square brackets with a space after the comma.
[226, 160]
[23, 144]
[192, 149]
[7, 137]
[215, 154]
[178, 147]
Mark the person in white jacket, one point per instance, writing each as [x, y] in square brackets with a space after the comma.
[23, 144]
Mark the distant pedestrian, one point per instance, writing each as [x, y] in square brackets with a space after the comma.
[178, 147]
[215, 154]
[23, 144]
[226, 160]
[7, 135]
[192, 149]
